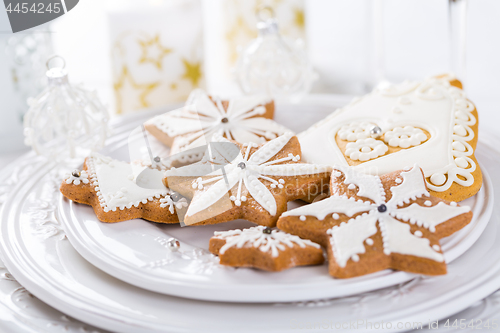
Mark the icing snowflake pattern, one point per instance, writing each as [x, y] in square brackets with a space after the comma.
[275, 241]
[82, 178]
[201, 119]
[348, 239]
[247, 172]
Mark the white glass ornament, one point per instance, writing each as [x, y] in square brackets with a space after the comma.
[65, 122]
[272, 64]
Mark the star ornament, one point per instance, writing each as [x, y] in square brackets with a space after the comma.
[243, 119]
[372, 223]
[192, 72]
[124, 85]
[246, 181]
[153, 52]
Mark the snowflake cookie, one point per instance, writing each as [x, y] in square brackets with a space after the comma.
[109, 186]
[264, 248]
[429, 122]
[371, 223]
[248, 181]
[243, 119]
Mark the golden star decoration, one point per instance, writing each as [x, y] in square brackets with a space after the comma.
[192, 71]
[126, 78]
[299, 18]
[153, 52]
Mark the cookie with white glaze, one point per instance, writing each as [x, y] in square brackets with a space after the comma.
[246, 181]
[372, 223]
[243, 119]
[110, 187]
[430, 122]
[263, 248]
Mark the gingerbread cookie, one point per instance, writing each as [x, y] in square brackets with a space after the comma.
[243, 119]
[431, 123]
[109, 186]
[263, 248]
[372, 223]
[246, 181]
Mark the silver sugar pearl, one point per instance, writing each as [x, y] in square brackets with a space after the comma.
[224, 120]
[76, 173]
[375, 132]
[157, 159]
[175, 197]
[173, 244]
[242, 165]
[267, 230]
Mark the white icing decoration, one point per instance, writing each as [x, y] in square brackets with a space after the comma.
[398, 180]
[82, 179]
[438, 179]
[194, 125]
[412, 187]
[114, 188]
[365, 149]
[428, 203]
[168, 202]
[252, 178]
[302, 218]
[334, 204]
[368, 186]
[355, 131]
[274, 242]
[404, 100]
[347, 239]
[405, 137]
[462, 162]
[459, 130]
[435, 106]
[429, 217]
[401, 240]
[397, 109]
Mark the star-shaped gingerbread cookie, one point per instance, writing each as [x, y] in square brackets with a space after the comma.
[111, 188]
[243, 119]
[246, 181]
[263, 248]
[371, 223]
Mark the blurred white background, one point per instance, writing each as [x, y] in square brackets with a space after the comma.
[199, 40]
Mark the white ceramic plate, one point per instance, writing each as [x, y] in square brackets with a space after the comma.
[39, 256]
[135, 251]
[21, 312]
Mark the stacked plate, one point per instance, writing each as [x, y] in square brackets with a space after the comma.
[123, 277]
